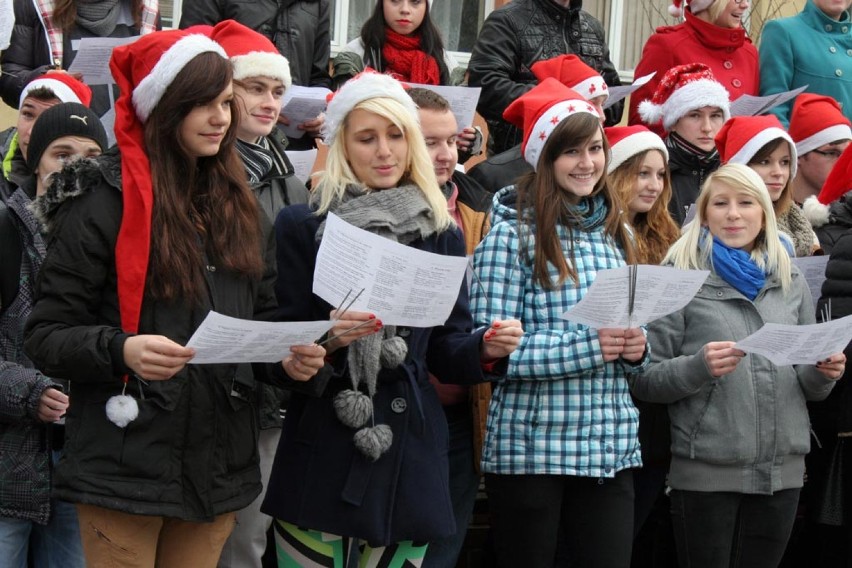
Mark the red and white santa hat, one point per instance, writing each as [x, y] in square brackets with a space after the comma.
[817, 120]
[742, 137]
[627, 141]
[572, 72]
[695, 6]
[143, 71]
[682, 89]
[540, 110]
[251, 53]
[365, 85]
[66, 88]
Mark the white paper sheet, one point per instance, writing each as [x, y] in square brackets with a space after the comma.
[463, 101]
[618, 93]
[750, 105]
[660, 290]
[799, 344]
[301, 104]
[303, 162]
[813, 268]
[223, 339]
[402, 285]
[92, 59]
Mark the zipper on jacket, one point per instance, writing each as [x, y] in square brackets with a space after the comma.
[814, 434]
[694, 434]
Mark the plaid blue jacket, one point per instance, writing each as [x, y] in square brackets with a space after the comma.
[560, 409]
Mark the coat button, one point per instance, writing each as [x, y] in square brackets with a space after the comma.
[728, 65]
[832, 49]
[575, 33]
[403, 332]
[399, 405]
[849, 52]
[844, 29]
[737, 83]
[720, 293]
[838, 72]
[211, 268]
[828, 27]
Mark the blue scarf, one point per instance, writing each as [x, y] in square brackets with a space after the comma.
[736, 267]
[589, 213]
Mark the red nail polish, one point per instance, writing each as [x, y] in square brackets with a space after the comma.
[372, 316]
[496, 324]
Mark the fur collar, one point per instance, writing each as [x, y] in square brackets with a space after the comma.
[76, 178]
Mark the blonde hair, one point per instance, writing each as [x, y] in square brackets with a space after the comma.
[338, 173]
[715, 9]
[692, 250]
[655, 230]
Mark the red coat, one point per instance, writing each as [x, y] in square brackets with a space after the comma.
[728, 52]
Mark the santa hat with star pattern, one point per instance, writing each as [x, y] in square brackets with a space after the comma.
[540, 110]
[573, 73]
[682, 89]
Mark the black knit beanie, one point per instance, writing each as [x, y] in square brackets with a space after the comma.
[64, 119]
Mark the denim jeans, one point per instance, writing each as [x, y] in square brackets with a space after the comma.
[54, 545]
[722, 530]
[464, 482]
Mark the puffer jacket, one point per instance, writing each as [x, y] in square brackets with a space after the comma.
[745, 432]
[560, 409]
[25, 441]
[830, 222]
[516, 36]
[298, 28]
[192, 451]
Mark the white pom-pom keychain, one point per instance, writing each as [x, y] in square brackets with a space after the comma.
[122, 409]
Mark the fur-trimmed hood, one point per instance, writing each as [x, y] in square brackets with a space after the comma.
[75, 179]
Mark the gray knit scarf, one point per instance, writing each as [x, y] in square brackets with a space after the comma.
[400, 214]
[98, 16]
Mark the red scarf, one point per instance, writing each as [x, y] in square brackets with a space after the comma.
[406, 62]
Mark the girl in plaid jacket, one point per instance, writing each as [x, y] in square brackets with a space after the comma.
[561, 438]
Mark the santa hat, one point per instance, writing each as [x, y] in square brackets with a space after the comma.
[817, 120]
[573, 73]
[682, 89]
[540, 110]
[251, 53]
[742, 137]
[66, 88]
[627, 141]
[143, 70]
[365, 85]
[695, 6]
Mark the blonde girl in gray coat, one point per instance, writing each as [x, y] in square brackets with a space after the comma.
[739, 423]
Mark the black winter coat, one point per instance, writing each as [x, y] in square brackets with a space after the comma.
[300, 29]
[192, 452]
[524, 32]
[688, 175]
[319, 479]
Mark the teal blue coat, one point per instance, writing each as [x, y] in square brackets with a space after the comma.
[807, 49]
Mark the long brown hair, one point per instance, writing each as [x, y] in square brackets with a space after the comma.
[65, 13]
[201, 205]
[785, 200]
[655, 231]
[539, 192]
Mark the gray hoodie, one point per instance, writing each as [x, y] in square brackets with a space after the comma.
[745, 432]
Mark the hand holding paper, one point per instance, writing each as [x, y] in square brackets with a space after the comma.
[501, 339]
[800, 344]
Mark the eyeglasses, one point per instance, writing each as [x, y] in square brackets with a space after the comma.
[830, 154]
